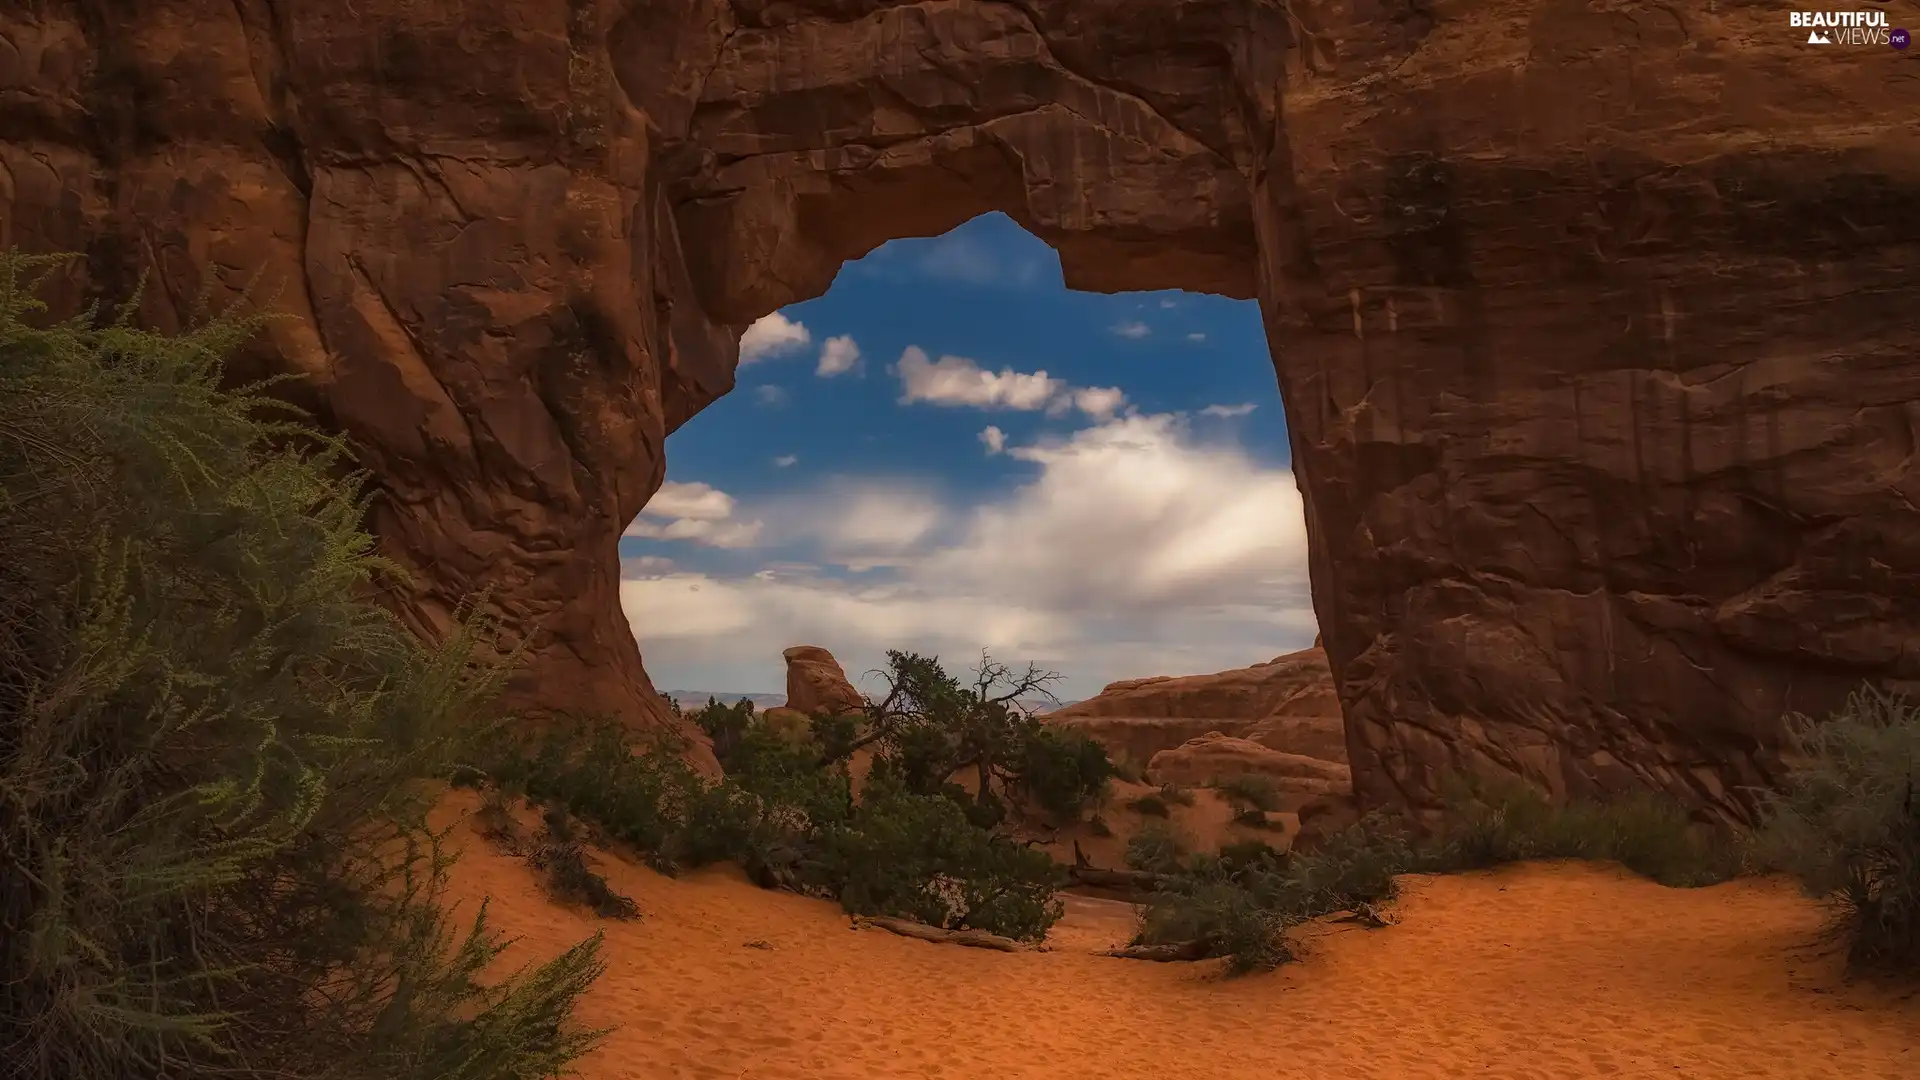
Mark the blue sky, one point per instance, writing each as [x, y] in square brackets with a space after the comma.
[950, 451]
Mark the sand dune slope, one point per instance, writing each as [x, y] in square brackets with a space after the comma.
[1534, 973]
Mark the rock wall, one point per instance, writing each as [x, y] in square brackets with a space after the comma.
[1287, 704]
[1591, 317]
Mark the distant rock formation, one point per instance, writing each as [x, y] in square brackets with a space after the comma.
[1286, 704]
[1214, 757]
[817, 685]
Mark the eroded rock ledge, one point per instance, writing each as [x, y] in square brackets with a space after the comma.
[1592, 318]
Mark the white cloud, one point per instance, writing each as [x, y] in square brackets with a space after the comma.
[837, 356]
[1164, 304]
[645, 566]
[769, 395]
[1133, 330]
[696, 512]
[1099, 402]
[1135, 549]
[785, 461]
[1228, 411]
[956, 381]
[703, 502]
[994, 439]
[770, 336]
[1196, 336]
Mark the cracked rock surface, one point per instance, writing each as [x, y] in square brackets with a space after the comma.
[1592, 318]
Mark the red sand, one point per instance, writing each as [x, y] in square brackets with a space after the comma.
[1542, 972]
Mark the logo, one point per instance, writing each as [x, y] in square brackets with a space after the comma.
[1842, 27]
[1900, 39]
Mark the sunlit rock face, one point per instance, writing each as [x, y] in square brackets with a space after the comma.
[1592, 319]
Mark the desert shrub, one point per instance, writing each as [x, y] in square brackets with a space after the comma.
[1064, 772]
[216, 752]
[724, 725]
[586, 765]
[1249, 791]
[919, 857]
[1239, 903]
[1150, 806]
[1356, 865]
[1250, 855]
[1175, 795]
[1125, 768]
[1494, 822]
[785, 813]
[562, 859]
[1158, 848]
[1225, 918]
[1252, 817]
[1847, 824]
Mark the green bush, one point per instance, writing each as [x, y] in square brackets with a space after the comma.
[215, 750]
[563, 859]
[1847, 825]
[1150, 806]
[1493, 822]
[1223, 917]
[918, 856]
[1158, 848]
[1175, 795]
[786, 814]
[1249, 791]
[1064, 772]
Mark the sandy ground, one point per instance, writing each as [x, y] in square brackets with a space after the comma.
[1542, 972]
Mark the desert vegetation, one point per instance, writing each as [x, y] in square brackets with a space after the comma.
[1846, 825]
[916, 844]
[216, 749]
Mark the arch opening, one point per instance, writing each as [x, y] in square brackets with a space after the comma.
[950, 450]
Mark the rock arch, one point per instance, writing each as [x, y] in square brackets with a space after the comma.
[1593, 329]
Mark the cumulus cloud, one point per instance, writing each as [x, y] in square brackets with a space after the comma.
[702, 502]
[785, 461]
[645, 566]
[1133, 330]
[1134, 548]
[956, 381]
[1228, 411]
[1099, 402]
[837, 356]
[695, 512]
[994, 439]
[771, 336]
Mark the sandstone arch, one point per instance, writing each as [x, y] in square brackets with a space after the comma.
[1593, 326]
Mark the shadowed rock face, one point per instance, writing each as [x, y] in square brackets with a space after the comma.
[1592, 318]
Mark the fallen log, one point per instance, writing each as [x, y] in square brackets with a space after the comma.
[1177, 952]
[973, 939]
[1129, 880]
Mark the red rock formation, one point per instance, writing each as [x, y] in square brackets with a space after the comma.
[1214, 757]
[1286, 704]
[1593, 321]
[817, 685]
